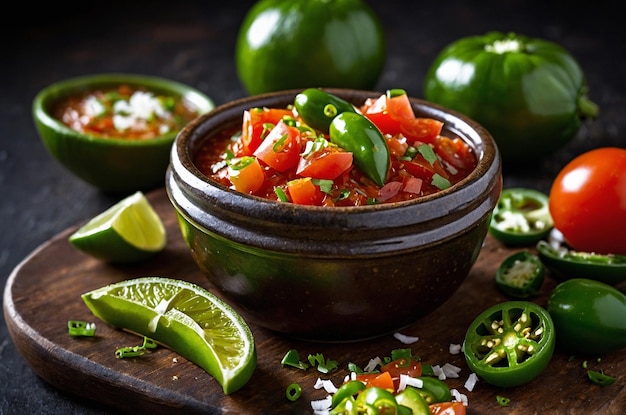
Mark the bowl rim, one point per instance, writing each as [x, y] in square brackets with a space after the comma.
[62, 88]
[485, 148]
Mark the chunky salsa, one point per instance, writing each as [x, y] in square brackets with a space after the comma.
[277, 155]
[124, 112]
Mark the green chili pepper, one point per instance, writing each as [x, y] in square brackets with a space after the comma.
[510, 343]
[434, 390]
[589, 316]
[600, 378]
[412, 399]
[293, 392]
[565, 264]
[318, 108]
[78, 328]
[377, 399]
[347, 390]
[520, 275]
[521, 217]
[355, 133]
[529, 93]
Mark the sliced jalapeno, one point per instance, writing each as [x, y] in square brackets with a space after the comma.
[355, 133]
[520, 275]
[564, 263]
[378, 400]
[318, 108]
[521, 217]
[412, 399]
[347, 390]
[434, 390]
[510, 343]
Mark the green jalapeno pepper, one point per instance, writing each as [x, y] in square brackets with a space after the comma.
[521, 217]
[412, 399]
[510, 343]
[355, 133]
[565, 264]
[589, 316]
[434, 390]
[318, 108]
[347, 390]
[376, 399]
[520, 275]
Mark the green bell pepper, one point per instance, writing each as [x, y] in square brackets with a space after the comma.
[354, 132]
[511, 343]
[589, 316]
[564, 264]
[530, 94]
[521, 217]
[318, 108]
[520, 275]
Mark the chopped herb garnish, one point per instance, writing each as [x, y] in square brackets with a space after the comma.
[323, 365]
[325, 186]
[282, 196]
[440, 182]
[78, 328]
[134, 351]
[427, 152]
[292, 358]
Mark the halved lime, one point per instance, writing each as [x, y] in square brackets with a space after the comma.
[184, 317]
[129, 231]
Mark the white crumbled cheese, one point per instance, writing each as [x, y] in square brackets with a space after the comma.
[406, 380]
[140, 107]
[326, 384]
[405, 339]
[459, 397]
[455, 348]
[372, 364]
[471, 382]
[322, 406]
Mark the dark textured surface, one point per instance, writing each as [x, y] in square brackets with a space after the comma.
[193, 42]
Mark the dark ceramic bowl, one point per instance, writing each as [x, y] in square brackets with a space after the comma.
[332, 274]
[112, 165]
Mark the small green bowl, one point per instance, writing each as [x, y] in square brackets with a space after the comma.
[112, 165]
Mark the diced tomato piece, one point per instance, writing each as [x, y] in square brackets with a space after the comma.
[397, 145]
[304, 192]
[425, 130]
[456, 152]
[447, 408]
[381, 380]
[324, 164]
[420, 168]
[246, 175]
[281, 148]
[253, 126]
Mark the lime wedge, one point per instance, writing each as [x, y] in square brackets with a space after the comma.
[185, 318]
[129, 231]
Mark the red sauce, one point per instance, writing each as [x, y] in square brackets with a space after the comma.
[124, 112]
[414, 173]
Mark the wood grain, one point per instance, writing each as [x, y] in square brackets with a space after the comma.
[43, 293]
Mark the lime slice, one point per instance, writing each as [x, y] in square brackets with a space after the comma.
[129, 231]
[185, 318]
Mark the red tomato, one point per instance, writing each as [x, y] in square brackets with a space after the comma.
[588, 201]
[254, 127]
[447, 408]
[455, 151]
[324, 164]
[304, 192]
[381, 380]
[395, 115]
[281, 148]
[246, 175]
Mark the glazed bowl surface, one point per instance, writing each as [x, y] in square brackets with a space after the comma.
[112, 165]
[340, 273]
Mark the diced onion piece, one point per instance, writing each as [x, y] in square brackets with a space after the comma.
[405, 339]
[455, 348]
[322, 404]
[459, 397]
[372, 364]
[326, 384]
[471, 381]
[406, 380]
[451, 371]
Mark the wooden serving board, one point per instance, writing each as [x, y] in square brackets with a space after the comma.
[44, 291]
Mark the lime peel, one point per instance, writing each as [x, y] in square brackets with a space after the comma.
[185, 318]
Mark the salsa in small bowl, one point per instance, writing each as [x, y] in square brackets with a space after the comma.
[115, 131]
[322, 272]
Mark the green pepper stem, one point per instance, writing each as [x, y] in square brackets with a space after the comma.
[587, 108]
